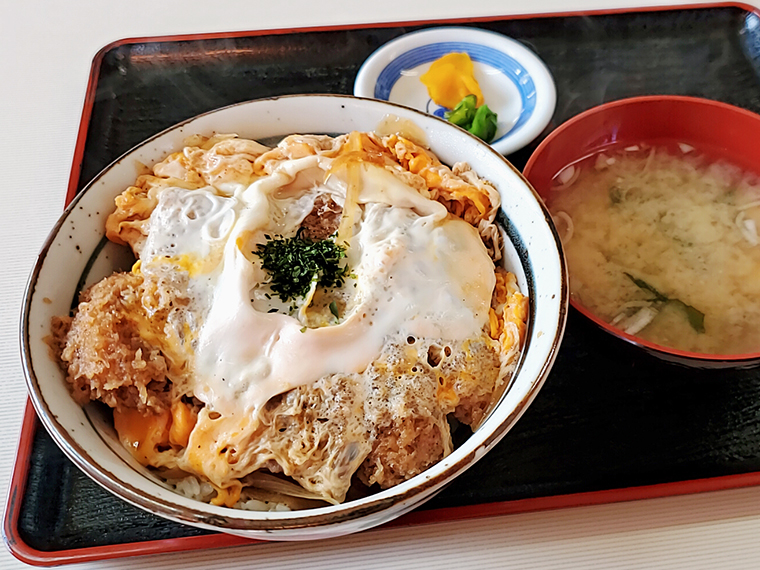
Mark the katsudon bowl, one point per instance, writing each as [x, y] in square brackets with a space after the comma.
[76, 255]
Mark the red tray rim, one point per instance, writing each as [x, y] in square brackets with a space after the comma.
[30, 423]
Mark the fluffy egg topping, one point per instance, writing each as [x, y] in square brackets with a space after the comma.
[222, 380]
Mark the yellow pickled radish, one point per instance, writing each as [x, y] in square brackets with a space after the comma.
[450, 79]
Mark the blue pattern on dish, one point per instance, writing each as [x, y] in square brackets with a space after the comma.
[438, 111]
[479, 53]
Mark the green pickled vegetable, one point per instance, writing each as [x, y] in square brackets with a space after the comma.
[480, 121]
[484, 123]
[463, 114]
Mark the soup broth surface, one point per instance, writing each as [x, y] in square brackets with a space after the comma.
[662, 243]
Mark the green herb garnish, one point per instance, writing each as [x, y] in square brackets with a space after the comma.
[641, 284]
[334, 309]
[695, 316]
[480, 121]
[294, 263]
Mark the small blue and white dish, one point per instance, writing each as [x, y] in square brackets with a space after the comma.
[515, 83]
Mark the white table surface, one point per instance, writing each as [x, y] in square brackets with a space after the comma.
[47, 48]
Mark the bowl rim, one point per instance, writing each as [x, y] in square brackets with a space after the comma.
[322, 517]
[539, 73]
[679, 355]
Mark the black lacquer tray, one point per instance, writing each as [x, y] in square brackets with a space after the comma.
[611, 423]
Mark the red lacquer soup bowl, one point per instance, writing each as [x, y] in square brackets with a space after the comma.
[697, 129]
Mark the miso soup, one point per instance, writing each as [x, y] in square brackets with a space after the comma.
[662, 243]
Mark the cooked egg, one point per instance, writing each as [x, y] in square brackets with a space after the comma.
[415, 270]
[252, 361]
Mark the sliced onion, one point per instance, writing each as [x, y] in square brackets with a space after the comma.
[749, 205]
[566, 177]
[302, 316]
[268, 482]
[625, 309]
[602, 162]
[564, 216]
[747, 228]
[639, 320]
[685, 148]
[750, 233]
[650, 158]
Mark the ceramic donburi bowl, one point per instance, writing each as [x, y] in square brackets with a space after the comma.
[76, 255]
